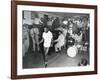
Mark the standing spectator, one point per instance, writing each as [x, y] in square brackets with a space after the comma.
[33, 38]
[25, 39]
[36, 36]
[44, 20]
[34, 32]
[56, 23]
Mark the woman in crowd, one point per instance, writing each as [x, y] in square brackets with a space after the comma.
[64, 31]
[34, 32]
[60, 42]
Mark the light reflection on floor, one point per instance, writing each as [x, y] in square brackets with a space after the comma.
[61, 59]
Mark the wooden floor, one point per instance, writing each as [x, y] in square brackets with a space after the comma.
[61, 59]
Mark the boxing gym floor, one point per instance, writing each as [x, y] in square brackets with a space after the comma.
[60, 59]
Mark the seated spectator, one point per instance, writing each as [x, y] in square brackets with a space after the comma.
[83, 62]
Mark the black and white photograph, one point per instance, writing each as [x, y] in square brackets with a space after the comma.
[55, 39]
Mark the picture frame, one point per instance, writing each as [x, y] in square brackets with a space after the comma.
[16, 20]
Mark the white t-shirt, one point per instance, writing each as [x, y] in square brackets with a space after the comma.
[47, 38]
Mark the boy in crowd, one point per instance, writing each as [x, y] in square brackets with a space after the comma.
[47, 38]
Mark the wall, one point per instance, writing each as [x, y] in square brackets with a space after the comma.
[5, 40]
[28, 20]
